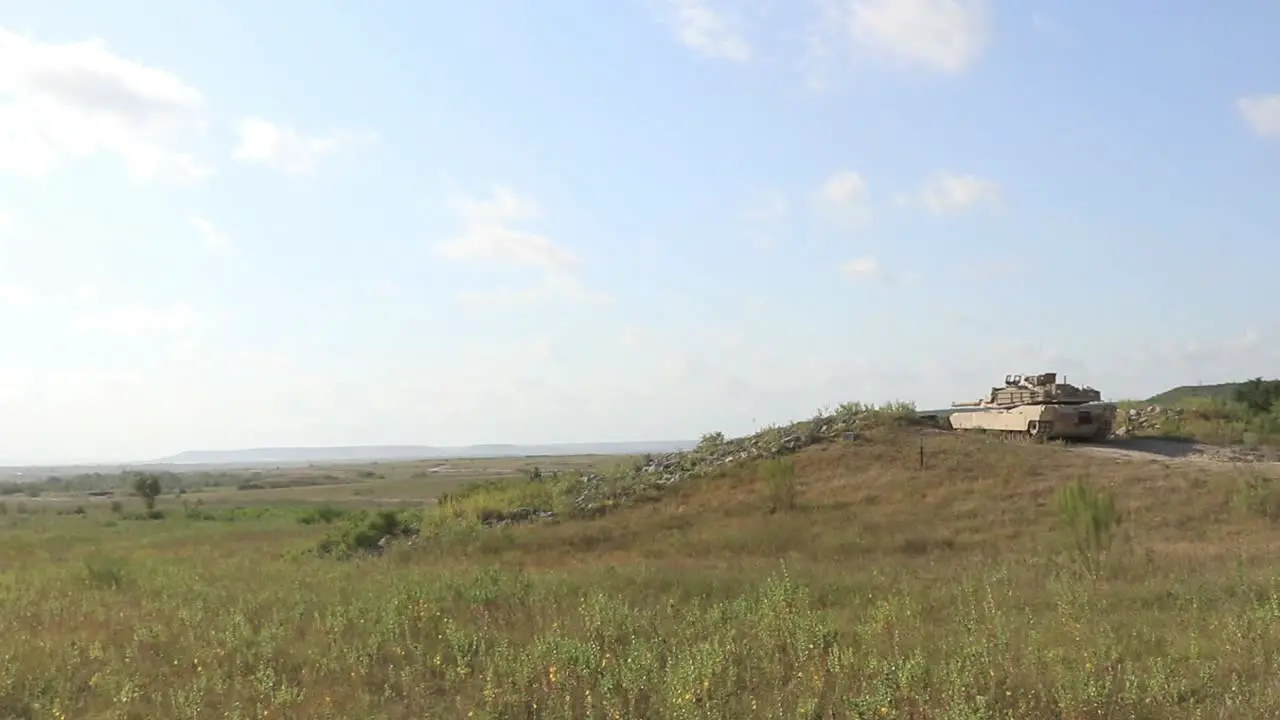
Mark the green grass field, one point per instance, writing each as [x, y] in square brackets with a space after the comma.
[846, 581]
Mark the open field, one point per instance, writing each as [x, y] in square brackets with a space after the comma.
[360, 484]
[842, 581]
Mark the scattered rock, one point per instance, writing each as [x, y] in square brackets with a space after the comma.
[1149, 419]
[498, 518]
[597, 493]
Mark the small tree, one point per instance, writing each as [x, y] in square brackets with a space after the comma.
[147, 487]
[1259, 395]
[1091, 518]
[710, 441]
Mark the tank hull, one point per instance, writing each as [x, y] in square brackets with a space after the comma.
[1085, 421]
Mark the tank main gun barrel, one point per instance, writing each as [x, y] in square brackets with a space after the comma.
[967, 403]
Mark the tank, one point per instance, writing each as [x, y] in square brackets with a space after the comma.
[1039, 407]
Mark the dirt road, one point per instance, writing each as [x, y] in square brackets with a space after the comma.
[1178, 451]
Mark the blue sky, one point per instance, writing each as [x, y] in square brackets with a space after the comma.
[241, 224]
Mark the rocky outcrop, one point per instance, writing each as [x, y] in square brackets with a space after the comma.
[1148, 420]
[596, 493]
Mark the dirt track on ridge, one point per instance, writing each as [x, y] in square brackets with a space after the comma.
[1177, 451]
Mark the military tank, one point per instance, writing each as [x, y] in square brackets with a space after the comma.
[1040, 408]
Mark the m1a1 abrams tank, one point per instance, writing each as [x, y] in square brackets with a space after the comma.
[1041, 408]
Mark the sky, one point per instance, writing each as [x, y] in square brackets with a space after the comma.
[240, 224]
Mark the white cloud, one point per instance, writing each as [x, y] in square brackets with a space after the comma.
[844, 189]
[707, 31]
[133, 320]
[215, 240]
[286, 150]
[60, 103]
[1262, 113]
[944, 36]
[489, 238]
[567, 288]
[946, 192]
[863, 268]
[844, 197]
[868, 269]
[18, 297]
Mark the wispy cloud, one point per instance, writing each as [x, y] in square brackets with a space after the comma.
[938, 36]
[707, 31]
[288, 151]
[1261, 113]
[214, 239]
[844, 197]
[946, 192]
[489, 237]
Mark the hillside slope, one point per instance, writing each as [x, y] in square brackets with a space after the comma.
[1215, 414]
[1183, 393]
[977, 581]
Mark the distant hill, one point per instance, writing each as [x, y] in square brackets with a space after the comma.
[388, 453]
[1225, 391]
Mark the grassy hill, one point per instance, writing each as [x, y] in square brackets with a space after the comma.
[1183, 393]
[818, 570]
[1240, 413]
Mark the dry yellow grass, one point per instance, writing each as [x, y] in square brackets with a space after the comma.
[886, 591]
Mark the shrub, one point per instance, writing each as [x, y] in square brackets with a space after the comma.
[147, 487]
[323, 514]
[780, 480]
[105, 572]
[364, 533]
[710, 441]
[1259, 395]
[1091, 519]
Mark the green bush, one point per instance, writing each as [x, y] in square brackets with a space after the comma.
[1091, 519]
[780, 479]
[363, 532]
[1259, 395]
[323, 514]
[147, 487]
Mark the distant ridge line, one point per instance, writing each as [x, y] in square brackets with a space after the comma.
[373, 453]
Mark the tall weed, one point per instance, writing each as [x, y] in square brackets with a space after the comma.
[779, 475]
[1091, 519]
